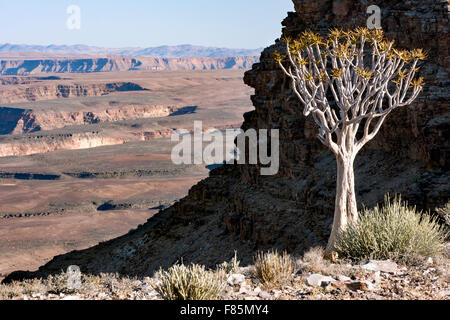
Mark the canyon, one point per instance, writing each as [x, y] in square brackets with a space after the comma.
[36, 89]
[85, 157]
[26, 120]
[37, 116]
[11, 64]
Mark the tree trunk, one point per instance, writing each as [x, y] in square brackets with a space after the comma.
[345, 207]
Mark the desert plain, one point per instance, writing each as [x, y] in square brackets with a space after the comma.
[86, 157]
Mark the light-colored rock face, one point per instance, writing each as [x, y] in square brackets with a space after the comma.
[17, 66]
[29, 121]
[318, 280]
[72, 142]
[29, 91]
[381, 266]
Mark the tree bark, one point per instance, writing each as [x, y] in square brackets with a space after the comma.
[345, 207]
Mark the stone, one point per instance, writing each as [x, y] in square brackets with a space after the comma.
[360, 286]
[444, 293]
[252, 293]
[244, 289]
[276, 293]
[386, 266]
[376, 277]
[343, 278]
[318, 280]
[235, 279]
[264, 295]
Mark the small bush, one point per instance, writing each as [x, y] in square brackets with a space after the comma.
[444, 213]
[182, 282]
[394, 231]
[230, 267]
[273, 269]
[313, 261]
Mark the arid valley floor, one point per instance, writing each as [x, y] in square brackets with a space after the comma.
[86, 157]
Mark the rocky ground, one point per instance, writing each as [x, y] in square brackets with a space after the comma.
[314, 279]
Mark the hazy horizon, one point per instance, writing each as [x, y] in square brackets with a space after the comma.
[124, 47]
[141, 24]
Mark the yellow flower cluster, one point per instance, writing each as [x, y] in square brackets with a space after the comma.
[343, 45]
[364, 73]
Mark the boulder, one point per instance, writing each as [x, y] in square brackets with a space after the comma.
[386, 266]
[318, 280]
[236, 279]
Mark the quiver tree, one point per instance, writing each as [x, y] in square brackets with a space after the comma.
[349, 82]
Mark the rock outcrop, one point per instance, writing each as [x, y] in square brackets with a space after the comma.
[42, 91]
[46, 142]
[76, 141]
[19, 121]
[236, 208]
[20, 66]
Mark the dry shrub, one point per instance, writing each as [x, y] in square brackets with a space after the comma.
[16, 290]
[193, 282]
[273, 269]
[230, 267]
[314, 261]
[394, 231]
[444, 213]
[112, 286]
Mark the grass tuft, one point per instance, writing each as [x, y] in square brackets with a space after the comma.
[193, 282]
[230, 267]
[273, 269]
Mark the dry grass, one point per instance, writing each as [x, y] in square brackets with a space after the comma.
[273, 269]
[109, 286]
[193, 282]
[444, 213]
[394, 231]
[230, 267]
[313, 261]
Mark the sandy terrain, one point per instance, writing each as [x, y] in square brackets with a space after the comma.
[66, 196]
[31, 242]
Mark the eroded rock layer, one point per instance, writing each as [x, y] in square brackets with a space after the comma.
[38, 92]
[17, 66]
[41, 144]
[18, 121]
[236, 208]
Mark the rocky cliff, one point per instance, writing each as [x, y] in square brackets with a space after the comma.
[20, 66]
[55, 91]
[40, 144]
[18, 121]
[236, 208]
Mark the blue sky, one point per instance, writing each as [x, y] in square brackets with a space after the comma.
[145, 23]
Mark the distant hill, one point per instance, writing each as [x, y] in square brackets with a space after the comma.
[86, 64]
[180, 51]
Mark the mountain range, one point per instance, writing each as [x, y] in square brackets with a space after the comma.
[179, 51]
